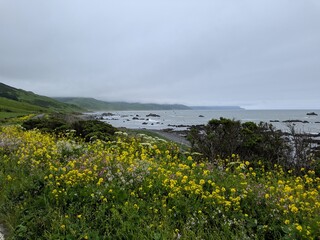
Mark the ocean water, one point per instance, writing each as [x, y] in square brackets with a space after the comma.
[181, 119]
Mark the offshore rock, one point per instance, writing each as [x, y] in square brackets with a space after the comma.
[152, 115]
[107, 114]
[312, 114]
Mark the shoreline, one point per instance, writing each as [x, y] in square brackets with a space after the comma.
[174, 136]
[178, 137]
[182, 120]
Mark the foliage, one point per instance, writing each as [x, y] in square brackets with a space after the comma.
[93, 129]
[60, 123]
[24, 102]
[145, 188]
[9, 105]
[46, 124]
[221, 138]
[97, 105]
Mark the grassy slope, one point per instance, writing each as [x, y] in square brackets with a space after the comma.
[10, 108]
[87, 103]
[8, 105]
[15, 102]
[97, 105]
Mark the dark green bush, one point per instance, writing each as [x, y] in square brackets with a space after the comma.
[87, 129]
[9, 95]
[263, 142]
[46, 124]
[93, 129]
[221, 138]
[217, 139]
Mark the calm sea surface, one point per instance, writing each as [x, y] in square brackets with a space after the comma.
[173, 118]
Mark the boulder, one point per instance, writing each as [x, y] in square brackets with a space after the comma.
[152, 115]
[107, 114]
[312, 114]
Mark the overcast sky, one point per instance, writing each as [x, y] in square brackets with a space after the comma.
[252, 53]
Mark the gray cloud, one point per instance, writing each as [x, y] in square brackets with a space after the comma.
[258, 54]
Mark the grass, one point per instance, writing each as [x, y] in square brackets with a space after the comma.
[97, 105]
[60, 187]
[8, 105]
[11, 109]
[6, 115]
[17, 101]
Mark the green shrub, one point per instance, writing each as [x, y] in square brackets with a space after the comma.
[93, 129]
[46, 124]
[221, 138]
[87, 129]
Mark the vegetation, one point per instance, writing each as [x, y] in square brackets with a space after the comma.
[60, 123]
[221, 138]
[15, 102]
[97, 105]
[13, 108]
[57, 186]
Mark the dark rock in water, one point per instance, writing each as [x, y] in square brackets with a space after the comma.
[316, 122]
[274, 121]
[201, 116]
[135, 118]
[178, 126]
[312, 114]
[295, 121]
[144, 123]
[152, 115]
[107, 114]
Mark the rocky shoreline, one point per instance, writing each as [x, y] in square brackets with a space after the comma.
[179, 137]
[158, 121]
[177, 132]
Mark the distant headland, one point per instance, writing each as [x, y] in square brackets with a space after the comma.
[15, 101]
[216, 108]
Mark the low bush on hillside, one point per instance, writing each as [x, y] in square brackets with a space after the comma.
[9, 95]
[44, 103]
[87, 129]
[46, 124]
[60, 187]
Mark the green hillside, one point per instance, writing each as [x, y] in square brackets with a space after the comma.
[97, 105]
[15, 102]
